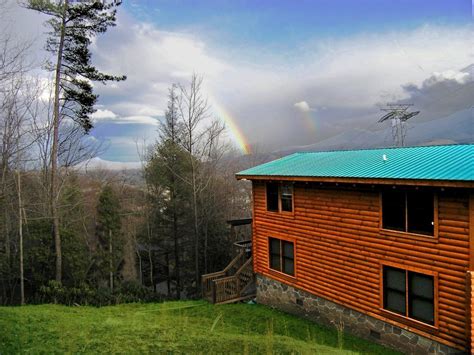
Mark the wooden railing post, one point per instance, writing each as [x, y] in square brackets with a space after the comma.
[213, 288]
[238, 285]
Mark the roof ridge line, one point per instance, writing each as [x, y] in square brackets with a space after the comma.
[381, 148]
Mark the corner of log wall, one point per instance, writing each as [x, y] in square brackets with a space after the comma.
[470, 309]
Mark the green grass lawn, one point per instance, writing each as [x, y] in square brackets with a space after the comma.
[182, 327]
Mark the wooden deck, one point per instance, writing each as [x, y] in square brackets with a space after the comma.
[235, 283]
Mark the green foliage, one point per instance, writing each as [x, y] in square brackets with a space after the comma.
[84, 294]
[80, 21]
[77, 258]
[108, 211]
[108, 228]
[172, 327]
[39, 253]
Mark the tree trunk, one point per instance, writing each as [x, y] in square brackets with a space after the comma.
[54, 150]
[175, 240]
[150, 259]
[167, 256]
[196, 233]
[205, 247]
[140, 267]
[111, 262]
[20, 233]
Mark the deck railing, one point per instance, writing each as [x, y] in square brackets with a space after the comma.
[233, 282]
[232, 288]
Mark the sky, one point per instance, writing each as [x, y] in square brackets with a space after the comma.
[281, 73]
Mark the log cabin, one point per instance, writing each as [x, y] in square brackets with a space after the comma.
[379, 242]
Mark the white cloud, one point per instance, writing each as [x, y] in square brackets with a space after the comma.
[457, 76]
[347, 77]
[138, 120]
[303, 106]
[99, 163]
[103, 114]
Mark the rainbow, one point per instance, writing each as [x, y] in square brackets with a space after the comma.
[236, 133]
[309, 121]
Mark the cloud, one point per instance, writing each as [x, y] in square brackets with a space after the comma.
[459, 77]
[441, 94]
[345, 79]
[103, 114]
[303, 106]
[99, 163]
[147, 120]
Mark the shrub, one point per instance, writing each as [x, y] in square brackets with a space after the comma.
[84, 294]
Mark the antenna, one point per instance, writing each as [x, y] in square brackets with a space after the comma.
[398, 114]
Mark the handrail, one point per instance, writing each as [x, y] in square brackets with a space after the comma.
[233, 262]
[249, 261]
[231, 283]
[231, 287]
[207, 279]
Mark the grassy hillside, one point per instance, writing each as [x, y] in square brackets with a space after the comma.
[196, 327]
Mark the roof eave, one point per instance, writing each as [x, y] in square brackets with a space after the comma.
[352, 180]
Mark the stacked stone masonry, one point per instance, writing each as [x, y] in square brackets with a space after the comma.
[289, 299]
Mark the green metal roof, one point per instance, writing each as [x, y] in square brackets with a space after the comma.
[442, 162]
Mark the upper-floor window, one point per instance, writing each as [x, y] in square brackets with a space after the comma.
[408, 211]
[282, 256]
[409, 293]
[279, 197]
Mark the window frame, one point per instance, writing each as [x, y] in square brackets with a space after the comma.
[405, 319]
[280, 210]
[269, 256]
[405, 233]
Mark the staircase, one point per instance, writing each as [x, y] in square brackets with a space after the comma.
[236, 282]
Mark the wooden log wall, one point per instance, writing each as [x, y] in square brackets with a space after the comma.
[339, 250]
[470, 309]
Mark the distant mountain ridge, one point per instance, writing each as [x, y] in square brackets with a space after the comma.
[457, 128]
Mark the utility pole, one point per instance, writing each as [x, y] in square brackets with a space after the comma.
[398, 115]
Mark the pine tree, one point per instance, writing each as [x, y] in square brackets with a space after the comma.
[108, 225]
[165, 171]
[73, 25]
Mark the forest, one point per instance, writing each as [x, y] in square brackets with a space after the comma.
[75, 235]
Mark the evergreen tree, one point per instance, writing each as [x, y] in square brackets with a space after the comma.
[165, 172]
[73, 25]
[108, 227]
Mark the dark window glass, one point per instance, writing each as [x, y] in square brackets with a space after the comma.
[288, 258]
[288, 266]
[420, 293]
[420, 206]
[421, 297]
[282, 256]
[393, 210]
[272, 197]
[394, 290]
[287, 198]
[275, 254]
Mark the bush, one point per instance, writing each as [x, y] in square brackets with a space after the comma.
[84, 294]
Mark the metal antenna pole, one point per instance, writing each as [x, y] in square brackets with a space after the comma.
[398, 115]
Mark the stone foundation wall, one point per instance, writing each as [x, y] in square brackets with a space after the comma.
[322, 311]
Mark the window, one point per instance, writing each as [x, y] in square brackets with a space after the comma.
[279, 197]
[409, 293]
[282, 256]
[272, 196]
[408, 211]
[287, 198]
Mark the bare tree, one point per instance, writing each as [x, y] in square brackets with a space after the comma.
[199, 140]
